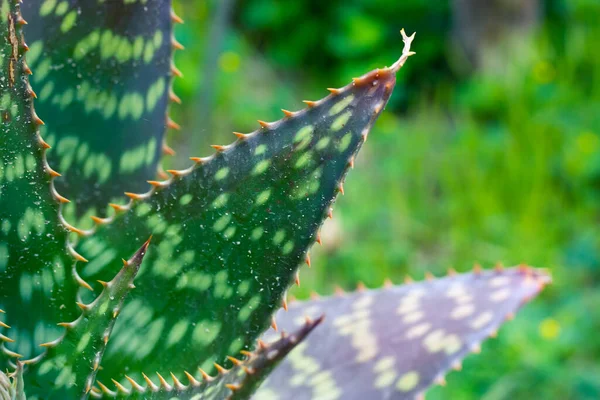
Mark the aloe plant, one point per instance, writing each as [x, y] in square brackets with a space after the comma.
[212, 248]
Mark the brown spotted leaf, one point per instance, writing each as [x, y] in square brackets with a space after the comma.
[394, 343]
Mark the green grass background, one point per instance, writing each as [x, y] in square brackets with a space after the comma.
[501, 166]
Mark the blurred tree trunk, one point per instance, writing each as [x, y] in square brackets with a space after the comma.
[487, 30]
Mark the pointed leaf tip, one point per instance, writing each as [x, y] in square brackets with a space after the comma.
[401, 340]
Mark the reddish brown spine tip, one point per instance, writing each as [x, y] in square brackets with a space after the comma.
[297, 279]
[288, 114]
[334, 91]
[167, 150]
[234, 360]
[232, 387]
[117, 207]
[274, 324]
[284, 304]
[172, 124]
[52, 172]
[264, 124]
[239, 135]
[261, 344]
[154, 183]
[309, 103]
[307, 260]
[97, 220]
[205, 376]
[197, 160]
[61, 199]
[44, 144]
[133, 196]
[218, 148]
[173, 97]
[319, 237]
[175, 18]
[176, 45]
[176, 71]
[220, 369]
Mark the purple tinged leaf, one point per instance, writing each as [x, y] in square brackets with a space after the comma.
[396, 342]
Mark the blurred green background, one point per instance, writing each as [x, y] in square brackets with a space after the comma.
[489, 151]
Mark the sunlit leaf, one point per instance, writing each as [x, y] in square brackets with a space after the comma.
[230, 233]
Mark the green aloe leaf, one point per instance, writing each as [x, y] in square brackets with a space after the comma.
[102, 76]
[38, 285]
[68, 369]
[230, 233]
[237, 383]
[396, 342]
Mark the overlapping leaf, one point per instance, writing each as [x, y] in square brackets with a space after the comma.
[102, 76]
[394, 343]
[237, 383]
[68, 369]
[230, 232]
[37, 288]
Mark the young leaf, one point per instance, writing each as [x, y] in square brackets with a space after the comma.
[68, 369]
[102, 76]
[396, 342]
[12, 386]
[37, 283]
[231, 231]
[237, 383]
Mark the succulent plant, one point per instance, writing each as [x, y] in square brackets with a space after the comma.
[207, 292]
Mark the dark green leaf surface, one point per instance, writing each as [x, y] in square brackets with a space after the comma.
[394, 343]
[37, 287]
[237, 383]
[229, 234]
[68, 369]
[102, 72]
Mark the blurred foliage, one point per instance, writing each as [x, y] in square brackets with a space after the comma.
[490, 166]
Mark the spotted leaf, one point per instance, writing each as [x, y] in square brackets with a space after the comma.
[394, 343]
[37, 285]
[68, 368]
[230, 233]
[102, 77]
[239, 382]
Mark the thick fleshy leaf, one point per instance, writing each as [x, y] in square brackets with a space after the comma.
[12, 386]
[394, 343]
[230, 233]
[68, 369]
[102, 76]
[237, 383]
[37, 288]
